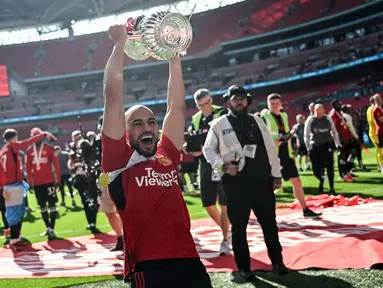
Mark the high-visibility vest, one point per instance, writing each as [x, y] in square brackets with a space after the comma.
[196, 118]
[272, 125]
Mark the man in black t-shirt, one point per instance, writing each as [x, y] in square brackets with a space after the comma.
[298, 130]
[211, 188]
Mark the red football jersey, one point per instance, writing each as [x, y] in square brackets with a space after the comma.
[14, 170]
[187, 158]
[40, 167]
[340, 125]
[155, 218]
[2, 176]
[378, 112]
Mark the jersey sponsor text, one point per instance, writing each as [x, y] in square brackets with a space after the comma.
[153, 178]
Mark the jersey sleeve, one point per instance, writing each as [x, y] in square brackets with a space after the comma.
[378, 113]
[115, 153]
[2, 176]
[21, 145]
[28, 167]
[166, 148]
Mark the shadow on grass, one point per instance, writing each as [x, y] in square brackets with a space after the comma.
[30, 217]
[73, 209]
[363, 195]
[292, 280]
[188, 202]
[298, 279]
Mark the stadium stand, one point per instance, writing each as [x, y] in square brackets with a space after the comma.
[63, 56]
[90, 52]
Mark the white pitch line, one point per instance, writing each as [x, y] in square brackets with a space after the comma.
[58, 232]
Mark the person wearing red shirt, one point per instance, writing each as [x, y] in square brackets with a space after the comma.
[41, 157]
[6, 231]
[13, 181]
[159, 248]
[346, 140]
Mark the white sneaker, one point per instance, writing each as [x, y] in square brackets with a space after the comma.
[225, 248]
[45, 233]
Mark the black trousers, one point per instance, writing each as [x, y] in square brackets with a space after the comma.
[242, 197]
[322, 158]
[2, 210]
[171, 273]
[65, 181]
[343, 156]
[89, 197]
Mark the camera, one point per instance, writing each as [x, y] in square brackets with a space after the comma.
[193, 142]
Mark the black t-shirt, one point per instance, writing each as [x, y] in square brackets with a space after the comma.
[248, 133]
[283, 148]
[204, 127]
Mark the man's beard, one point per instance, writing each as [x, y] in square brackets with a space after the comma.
[136, 146]
[238, 112]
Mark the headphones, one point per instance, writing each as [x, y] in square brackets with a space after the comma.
[237, 90]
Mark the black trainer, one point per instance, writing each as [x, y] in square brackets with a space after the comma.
[280, 269]
[320, 188]
[332, 192]
[308, 213]
[119, 245]
[246, 275]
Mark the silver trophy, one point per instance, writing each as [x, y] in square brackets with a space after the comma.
[160, 35]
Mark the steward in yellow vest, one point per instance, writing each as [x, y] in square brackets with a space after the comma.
[273, 126]
[278, 125]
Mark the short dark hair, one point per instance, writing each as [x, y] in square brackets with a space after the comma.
[345, 108]
[333, 102]
[274, 96]
[9, 134]
[200, 94]
[372, 100]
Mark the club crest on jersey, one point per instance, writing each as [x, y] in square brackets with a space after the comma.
[164, 160]
[44, 153]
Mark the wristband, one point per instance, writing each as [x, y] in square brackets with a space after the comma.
[219, 167]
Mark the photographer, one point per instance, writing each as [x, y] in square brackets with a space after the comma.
[106, 204]
[211, 188]
[84, 169]
[189, 166]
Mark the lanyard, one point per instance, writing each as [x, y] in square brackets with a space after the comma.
[38, 157]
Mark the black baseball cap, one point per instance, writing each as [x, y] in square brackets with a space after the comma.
[235, 91]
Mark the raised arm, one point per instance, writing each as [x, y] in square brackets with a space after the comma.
[174, 122]
[114, 113]
[21, 145]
